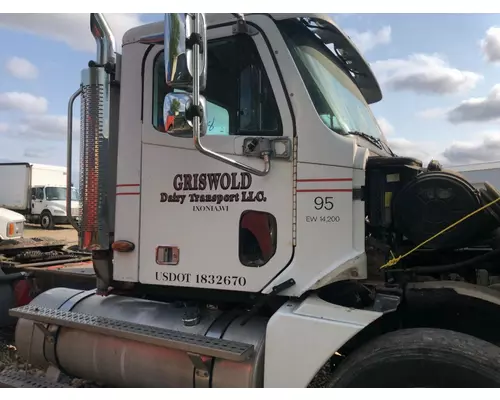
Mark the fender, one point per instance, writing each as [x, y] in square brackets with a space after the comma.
[302, 336]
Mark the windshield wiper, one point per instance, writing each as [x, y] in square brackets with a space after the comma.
[372, 139]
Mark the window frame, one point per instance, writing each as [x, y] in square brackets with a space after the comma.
[279, 132]
[40, 190]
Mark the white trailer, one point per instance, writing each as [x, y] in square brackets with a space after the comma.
[479, 173]
[37, 191]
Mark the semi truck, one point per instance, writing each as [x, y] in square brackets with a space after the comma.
[287, 241]
[38, 192]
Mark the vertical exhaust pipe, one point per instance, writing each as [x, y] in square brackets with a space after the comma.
[105, 41]
[94, 140]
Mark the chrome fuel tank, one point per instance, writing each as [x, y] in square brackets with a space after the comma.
[121, 362]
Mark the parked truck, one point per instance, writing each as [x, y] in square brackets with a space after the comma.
[11, 225]
[38, 192]
[291, 241]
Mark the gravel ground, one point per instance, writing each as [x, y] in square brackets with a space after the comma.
[321, 378]
[61, 232]
[8, 354]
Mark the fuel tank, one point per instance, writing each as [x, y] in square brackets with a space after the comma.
[121, 362]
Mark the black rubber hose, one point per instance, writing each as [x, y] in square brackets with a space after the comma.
[440, 269]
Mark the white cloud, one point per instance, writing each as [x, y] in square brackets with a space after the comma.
[51, 127]
[432, 113]
[37, 152]
[484, 148]
[423, 151]
[490, 45]
[25, 102]
[477, 109]
[368, 40]
[72, 29]
[385, 126]
[424, 73]
[21, 68]
[41, 126]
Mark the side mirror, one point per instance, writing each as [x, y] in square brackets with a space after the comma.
[33, 197]
[179, 34]
[176, 115]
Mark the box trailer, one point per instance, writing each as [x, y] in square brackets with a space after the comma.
[38, 192]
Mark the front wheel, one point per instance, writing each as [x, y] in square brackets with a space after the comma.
[46, 220]
[432, 358]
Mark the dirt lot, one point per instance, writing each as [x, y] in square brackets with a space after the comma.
[61, 232]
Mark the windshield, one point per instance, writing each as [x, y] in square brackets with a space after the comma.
[336, 97]
[59, 193]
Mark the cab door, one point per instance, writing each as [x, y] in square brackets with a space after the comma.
[205, 223]
[38, 203]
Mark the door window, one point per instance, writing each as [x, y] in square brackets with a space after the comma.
[240, 100]
[39, 193]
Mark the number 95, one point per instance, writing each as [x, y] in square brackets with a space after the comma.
[323, 203]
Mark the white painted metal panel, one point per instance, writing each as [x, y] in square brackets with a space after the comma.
[14, 186]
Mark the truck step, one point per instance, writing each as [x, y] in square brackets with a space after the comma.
[21, 379]
[188, 342]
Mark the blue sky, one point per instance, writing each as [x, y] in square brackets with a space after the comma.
[430, 67]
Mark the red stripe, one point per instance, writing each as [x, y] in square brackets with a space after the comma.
[326, 180]
[322, 190]
[127, 194]
[128, 185]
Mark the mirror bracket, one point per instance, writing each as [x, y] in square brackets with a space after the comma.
[277, 147]
[241, 26]
[194, 38]
[194, 111]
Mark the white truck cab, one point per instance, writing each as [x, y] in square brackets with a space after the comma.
[11, 224]
[250, 226]
[48, 202]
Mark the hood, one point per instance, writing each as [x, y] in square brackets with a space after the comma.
[11, 215]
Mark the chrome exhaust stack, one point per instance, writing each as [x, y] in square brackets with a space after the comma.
[94, 140]
[98, 153]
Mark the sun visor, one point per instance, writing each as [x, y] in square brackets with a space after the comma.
[349, 55]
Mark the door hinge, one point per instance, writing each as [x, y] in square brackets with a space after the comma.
[294, 199]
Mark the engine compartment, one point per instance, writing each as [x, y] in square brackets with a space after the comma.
[407, 204]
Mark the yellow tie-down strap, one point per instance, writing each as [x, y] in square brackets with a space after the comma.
[394, 260]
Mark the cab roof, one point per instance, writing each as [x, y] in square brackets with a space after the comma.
[135, 34]
[351, 57]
